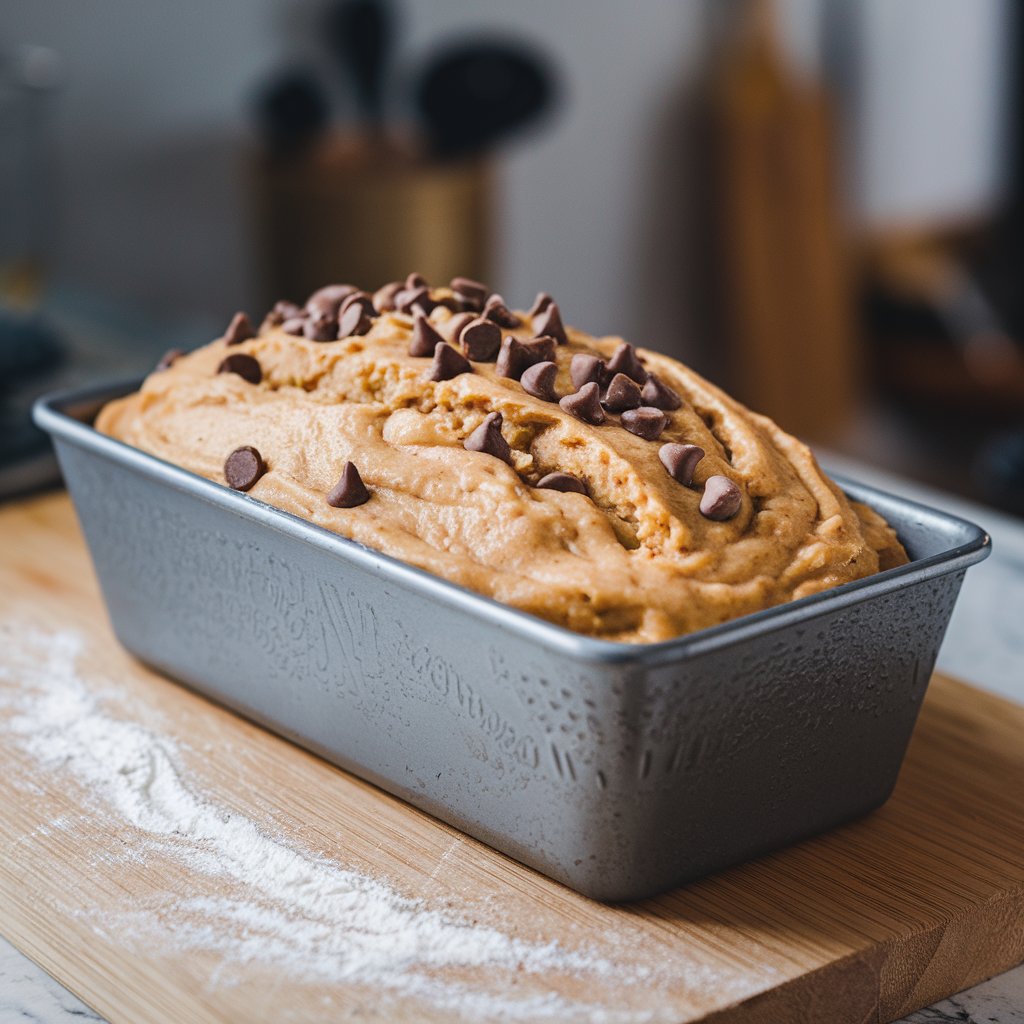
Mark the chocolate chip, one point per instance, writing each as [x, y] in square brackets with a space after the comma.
[424, 339]
[480, 340]
[243, 467]
[350, 490]
[409, 297]
[295, 325]
[512, 359]
[657, 393]
[168, 359]
[496, 310]
[625, 360]
[585, 404]
[472, 293]
[454, 326]
[244, 365]
[680, 460]
[721, 498]
[622, 394]
[271, 320]
[540, 350]
[487, 438]
[539, 380]
[447, 363]
[585, 368]
[645, 422]
[562, 482]
[328, 300]
[540, 303]
[384, 297]
[550, 322]
[287, 309]
[354, 319]
[364, 299]
[239, 330]
[321, 327]
[414, 281]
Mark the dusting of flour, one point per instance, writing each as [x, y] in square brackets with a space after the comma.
[265, 900]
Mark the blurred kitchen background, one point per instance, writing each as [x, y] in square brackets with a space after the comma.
[818, 203]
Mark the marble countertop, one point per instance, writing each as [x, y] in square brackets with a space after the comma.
[984, 645]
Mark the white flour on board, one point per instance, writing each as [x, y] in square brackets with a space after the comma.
[276, 904]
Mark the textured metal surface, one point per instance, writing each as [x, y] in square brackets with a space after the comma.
[620, 770]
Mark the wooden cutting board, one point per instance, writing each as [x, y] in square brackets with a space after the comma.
[868, 923]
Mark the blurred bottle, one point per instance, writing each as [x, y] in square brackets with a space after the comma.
[29, 77]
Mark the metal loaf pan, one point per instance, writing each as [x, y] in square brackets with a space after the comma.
[620, 770]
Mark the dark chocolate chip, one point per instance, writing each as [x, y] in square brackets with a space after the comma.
[625, 360]
[415, 280]
[585, 404]
[562, 482]
[487, 438]
[657, 393]
[585, 368]
[244, 365]
[239, 330]
[550, 322]
[540, 303]
[540, 350]
[721, 498]
[409, 297]
[424, 339]
[645, 422]
[472, 293]
[354, 320]
[480, 340]
[168, 359]
[454, 326]
[448, 363]
[364, 299]
[680, 460]
[496, 310]
[243, 467]
[539, 380]
[350, 490]
[384, 297]
[622, 394]
[294, 325]
[328, 300]
[321, 327]
[512, 359]
[271, 320]
[287, 309]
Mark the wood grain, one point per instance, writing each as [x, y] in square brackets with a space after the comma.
[867, 923]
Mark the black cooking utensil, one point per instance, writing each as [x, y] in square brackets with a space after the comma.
[359, 34]
[291, 112]
[476, 93]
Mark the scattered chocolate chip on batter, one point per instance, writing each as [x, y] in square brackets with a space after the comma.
[658, 394]
[295, 325]
[540, 303]
[549, 322]
[562, 482]
[680, 460]
[539, 380]
[721, 499]
[168, 359]
[424, 339]
[480, 340]
[244, 365]
[384, 297]
[584, 368]
[328, 300]
[645, 422]
[625, 360]
[243, 467]
[447, 363]
[354, 319]
[496, 310]
[585, 404]
[320, 327]
[415, 280]
[487, 438]
[453, 327]
[239, 330]
[540, 350]
[472, 294]
[349, 491]
[622, 394]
